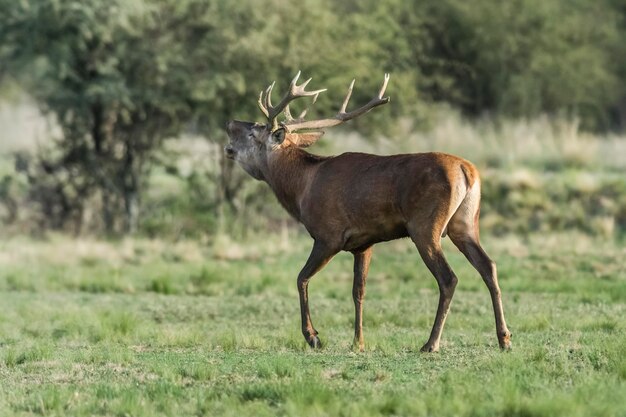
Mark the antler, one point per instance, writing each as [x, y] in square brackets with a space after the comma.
[295, 91]
[297, 124]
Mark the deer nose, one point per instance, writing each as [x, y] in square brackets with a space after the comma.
[230, 152]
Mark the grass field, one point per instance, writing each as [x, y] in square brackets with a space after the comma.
[145, 328]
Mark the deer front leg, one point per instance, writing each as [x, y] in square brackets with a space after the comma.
[361, 268]
[319, 257]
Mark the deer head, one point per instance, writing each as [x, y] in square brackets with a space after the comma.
[251, 143]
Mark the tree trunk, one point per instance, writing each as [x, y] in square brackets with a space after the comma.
[131, 204]
[108, 216]
[131, 179]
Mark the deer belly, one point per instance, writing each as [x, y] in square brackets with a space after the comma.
[368, 234]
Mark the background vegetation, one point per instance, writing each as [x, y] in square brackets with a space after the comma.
[111, 125]
[120, 79]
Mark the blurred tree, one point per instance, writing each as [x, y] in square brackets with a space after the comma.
[115, 77]
[617, 51]
[122, 76]
[526, 57]
[7, 200]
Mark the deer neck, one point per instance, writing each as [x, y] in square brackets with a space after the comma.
[289, 173]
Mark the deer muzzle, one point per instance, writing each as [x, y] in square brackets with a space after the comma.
[229, 151]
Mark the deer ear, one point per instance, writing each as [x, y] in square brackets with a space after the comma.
[278, 136]
[304, 140]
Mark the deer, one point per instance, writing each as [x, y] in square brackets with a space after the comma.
[352, 201]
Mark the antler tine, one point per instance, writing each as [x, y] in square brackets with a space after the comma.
[265, 100]
[347, 99]
[384, 86]
[301, 117]
[290, 119]
[287, 112]
[295, 80]
[292, 87]
[268, 95]
[262, 106]
[295, 91]
[342, 116]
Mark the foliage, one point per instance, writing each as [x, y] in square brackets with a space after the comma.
[114, 95]
[528, 57]
[122, 76]
[518, 58]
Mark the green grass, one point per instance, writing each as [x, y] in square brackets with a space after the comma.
[147, 328]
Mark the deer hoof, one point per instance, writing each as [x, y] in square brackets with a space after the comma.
[358, 347]
[505, 341]
[315, 342]
[429, 348]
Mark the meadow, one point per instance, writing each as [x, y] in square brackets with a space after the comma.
[201, 321]
[146, 327]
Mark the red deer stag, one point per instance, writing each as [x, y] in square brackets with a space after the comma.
[351, 201]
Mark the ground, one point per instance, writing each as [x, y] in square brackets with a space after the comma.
[145, 328]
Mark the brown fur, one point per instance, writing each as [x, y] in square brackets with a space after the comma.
[352, 201]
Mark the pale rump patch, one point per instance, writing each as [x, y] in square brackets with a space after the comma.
[463, 220]
[466, 202]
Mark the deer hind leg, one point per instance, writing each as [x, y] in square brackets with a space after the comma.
[361, 268]
[428, 243]
[463, 231]
[320, 255]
